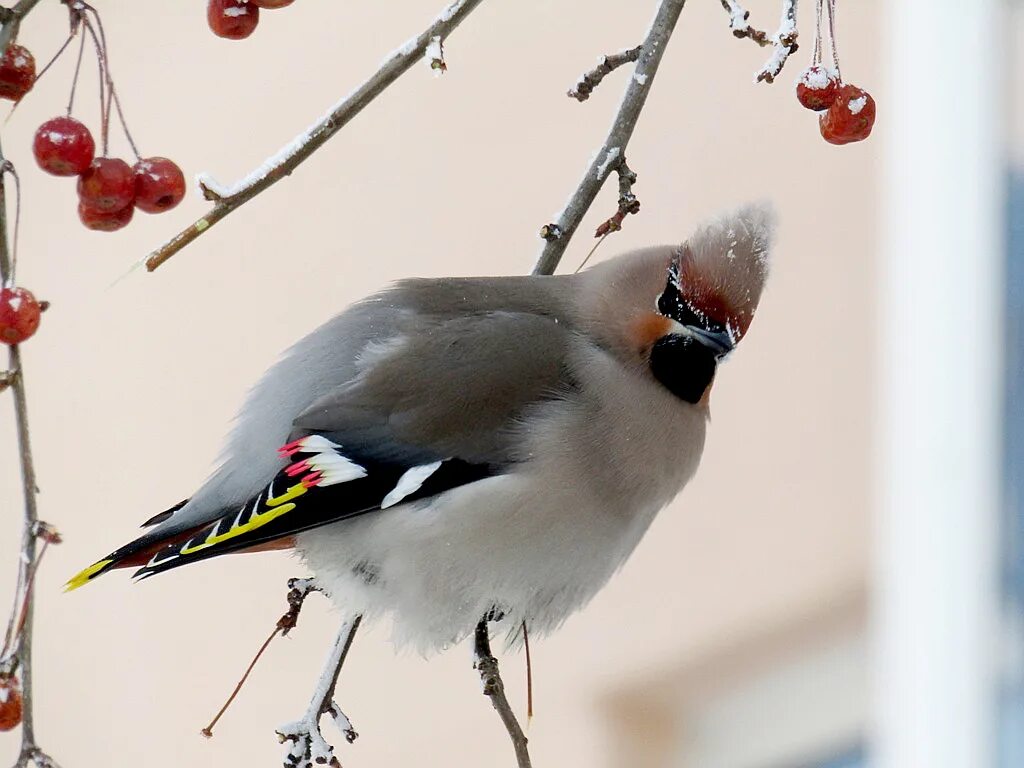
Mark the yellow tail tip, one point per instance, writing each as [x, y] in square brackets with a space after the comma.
[84, 577]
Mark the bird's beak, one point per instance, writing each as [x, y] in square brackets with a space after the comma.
[719, 342]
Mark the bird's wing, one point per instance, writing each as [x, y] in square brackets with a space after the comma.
[438, 408]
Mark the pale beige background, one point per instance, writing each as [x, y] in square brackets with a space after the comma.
[131, 387]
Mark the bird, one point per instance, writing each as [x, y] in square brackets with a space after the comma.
[454, 450]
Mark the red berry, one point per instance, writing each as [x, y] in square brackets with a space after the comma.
[159, 184]
[105, 221]
[850, 118]
[63, 146]
[19, 319]
[17, 72]
[817, 88]
[233, 19]
[272, 3]
[10, 703]
[107, 185]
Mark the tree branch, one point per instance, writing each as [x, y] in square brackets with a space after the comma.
[783, 42]
[558, 233]
[309, 748]
[298, 151]
[21, 637]
[494, 689]
[608, 64]
[11, 20]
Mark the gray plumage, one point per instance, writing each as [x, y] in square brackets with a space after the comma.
[546, 379]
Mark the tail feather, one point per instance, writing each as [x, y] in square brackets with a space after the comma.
[133, 554]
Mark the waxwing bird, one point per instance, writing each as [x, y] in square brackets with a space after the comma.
[451, 449]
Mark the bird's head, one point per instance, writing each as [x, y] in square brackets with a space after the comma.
[680, 309]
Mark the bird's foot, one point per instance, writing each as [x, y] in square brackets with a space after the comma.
[308, 746]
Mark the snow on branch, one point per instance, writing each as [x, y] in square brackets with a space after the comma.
[783, 42]
[612, 152]
[605, 66]
[229, 198]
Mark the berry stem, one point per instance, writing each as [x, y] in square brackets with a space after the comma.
[832, 36]
[817, 32]
[78, 69]
[8, 167]
[111, 90]
[104, 96]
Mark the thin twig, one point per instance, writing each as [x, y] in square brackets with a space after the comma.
[557, 234]
[298, 151]
[30, 753]
[628, 202]
[494, 689]
[739, 25]
[783, 42]
[608, 64]
[12, 20]
[298, 591]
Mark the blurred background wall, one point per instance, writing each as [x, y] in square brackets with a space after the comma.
[740, 632]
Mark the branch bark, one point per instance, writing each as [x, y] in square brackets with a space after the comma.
[558, 233]
[309, 748]
[783, 42]
[23, 610]
[21, 618]
[297, 152]
[494, 689]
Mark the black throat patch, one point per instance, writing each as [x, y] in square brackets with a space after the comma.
[683, 365]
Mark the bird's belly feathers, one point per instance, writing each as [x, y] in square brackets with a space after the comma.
[535, 544]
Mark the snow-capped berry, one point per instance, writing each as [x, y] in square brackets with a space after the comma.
[10, 703]
[17, 72]
[272, 3]
[63, 146]
[107, 185]
[817, 87]
[232, 19]
[19, 319]
[159, 184]
[105, 221]
[850, 118]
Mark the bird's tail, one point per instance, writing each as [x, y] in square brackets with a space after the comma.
[135, 553]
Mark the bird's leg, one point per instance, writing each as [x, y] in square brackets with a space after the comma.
[494, 689]
[309, 748]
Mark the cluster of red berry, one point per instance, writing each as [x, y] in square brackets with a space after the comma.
[237, 19]
[109, 189]
[848, 111]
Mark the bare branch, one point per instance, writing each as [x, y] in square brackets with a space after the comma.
[299, 150]
[32, 529]
[11, 20]
[298, 591]
[494, 689]
[309, 748]
[557, 234]
[608, 64]
[783, 42]
[738, 16]
[628, 202]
